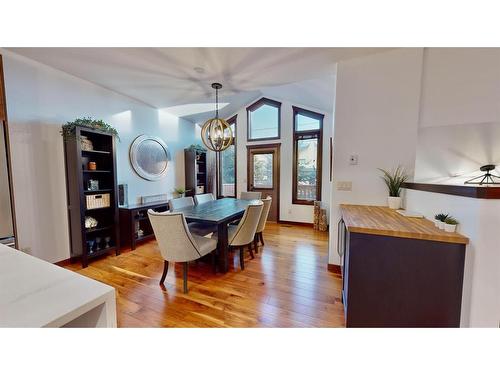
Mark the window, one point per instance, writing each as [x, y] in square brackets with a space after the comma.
[307, 151]
[263, 119]
[227, 166]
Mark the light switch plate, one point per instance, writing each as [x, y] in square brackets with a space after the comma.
[344, 185]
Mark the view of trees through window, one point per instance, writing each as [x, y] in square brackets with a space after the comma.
[228, 166]
[263, 171]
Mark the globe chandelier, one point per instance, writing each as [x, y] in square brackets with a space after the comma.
[216, 133]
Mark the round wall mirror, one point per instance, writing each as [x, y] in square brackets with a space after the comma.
[149, 157]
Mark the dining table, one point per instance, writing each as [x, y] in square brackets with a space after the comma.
[219, 212]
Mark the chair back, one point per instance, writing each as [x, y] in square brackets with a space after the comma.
[177, 203]
[249, 195]
[245, 232]
[202, 198]
[265, 213]
[174, 239]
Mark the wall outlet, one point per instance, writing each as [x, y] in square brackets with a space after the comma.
[353, 160]
[344, 185]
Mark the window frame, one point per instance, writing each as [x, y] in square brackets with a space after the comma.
[301, 135]
[253, 107]
[230, 121]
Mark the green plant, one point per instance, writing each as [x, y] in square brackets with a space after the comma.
[394, 180]
[451, 220]
[441, 217]
[180, 190]
[196, 147]
[68, 129]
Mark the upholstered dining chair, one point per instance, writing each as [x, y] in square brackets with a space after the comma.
[262, 222]
[243, 234]
[196, 228]
[202, 198]
[177, 243]
[249, 195]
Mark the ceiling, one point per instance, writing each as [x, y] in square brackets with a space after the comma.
[178, 79]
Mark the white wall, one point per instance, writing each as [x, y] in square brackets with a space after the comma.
[288, 211]
[39, 100]
[376, 118]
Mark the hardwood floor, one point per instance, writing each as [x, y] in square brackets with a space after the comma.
[286, 285]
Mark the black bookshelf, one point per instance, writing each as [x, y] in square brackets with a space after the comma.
[84, 241]
[196, 172]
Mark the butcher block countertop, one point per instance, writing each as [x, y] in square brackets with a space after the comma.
[386, 222]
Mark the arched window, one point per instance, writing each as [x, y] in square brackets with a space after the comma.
[263, 119]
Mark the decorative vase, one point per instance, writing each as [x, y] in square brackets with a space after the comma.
[394, 202]
[436, 222]
[451, 228]
[441, 224]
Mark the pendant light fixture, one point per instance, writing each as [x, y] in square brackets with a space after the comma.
[216, 133]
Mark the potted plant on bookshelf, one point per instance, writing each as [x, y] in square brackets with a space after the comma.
[450, 224]
[439, 220]
[68, 129]
[394, 181]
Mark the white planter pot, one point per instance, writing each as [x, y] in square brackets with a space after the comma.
[450, 227]
[436, 222]
[441, 224]
[394, 202]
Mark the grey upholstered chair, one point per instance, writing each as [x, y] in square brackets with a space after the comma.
[196, 228]
[202, 198]
[262, 222]
[249, 195]
[177, 243]
[243, 234]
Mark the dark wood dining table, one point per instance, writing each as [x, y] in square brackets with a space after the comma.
[218, 212]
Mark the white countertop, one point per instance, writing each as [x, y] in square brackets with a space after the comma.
[35, 293]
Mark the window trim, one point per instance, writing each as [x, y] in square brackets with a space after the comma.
[305, 134]
[256, 105]
[230, 121]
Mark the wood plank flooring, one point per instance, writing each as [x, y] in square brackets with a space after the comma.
[286, 285]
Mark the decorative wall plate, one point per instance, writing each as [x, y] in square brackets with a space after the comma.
[149, 157]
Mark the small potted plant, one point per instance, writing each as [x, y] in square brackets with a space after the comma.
[450, 224]
[394, 181]
[439, 220]
[180, 192]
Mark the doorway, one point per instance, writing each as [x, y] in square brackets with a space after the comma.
[263, 166]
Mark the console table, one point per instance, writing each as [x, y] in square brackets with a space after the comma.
[134, 219]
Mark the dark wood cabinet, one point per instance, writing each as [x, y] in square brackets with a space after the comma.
[196, 172]
[392, 281]
[135, 226]
[92, 194]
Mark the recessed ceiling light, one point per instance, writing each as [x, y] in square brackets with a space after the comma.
[199, 69]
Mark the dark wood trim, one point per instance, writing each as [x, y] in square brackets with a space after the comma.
[298, 135]
[287, 222]
[256, 105]
[331, 158]
[4, 118]
[232, 120]
[335, 268]
[278, 160]
[481, 192]
[64, 262]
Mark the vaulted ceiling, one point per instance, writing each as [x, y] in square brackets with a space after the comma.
[178, 79]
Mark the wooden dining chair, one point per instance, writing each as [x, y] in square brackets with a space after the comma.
[177, 243]
[250, 195]
[262, 222]
[242, 235]
[197, 228]
[202, 198]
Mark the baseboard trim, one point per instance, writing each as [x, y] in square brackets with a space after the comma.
[335, 268]
[295, 223]
[64, 262]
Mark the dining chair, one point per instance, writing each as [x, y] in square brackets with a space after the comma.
[177, 243]
[249, 195]
[262, 222]
[197, 228]
[202, 198]
[243, 234]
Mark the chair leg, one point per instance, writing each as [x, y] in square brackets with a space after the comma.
[250, 250]
[242, 258]
[165, 270]
[261, 239]
[185, 276]
[256, 243]
[214, 261]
